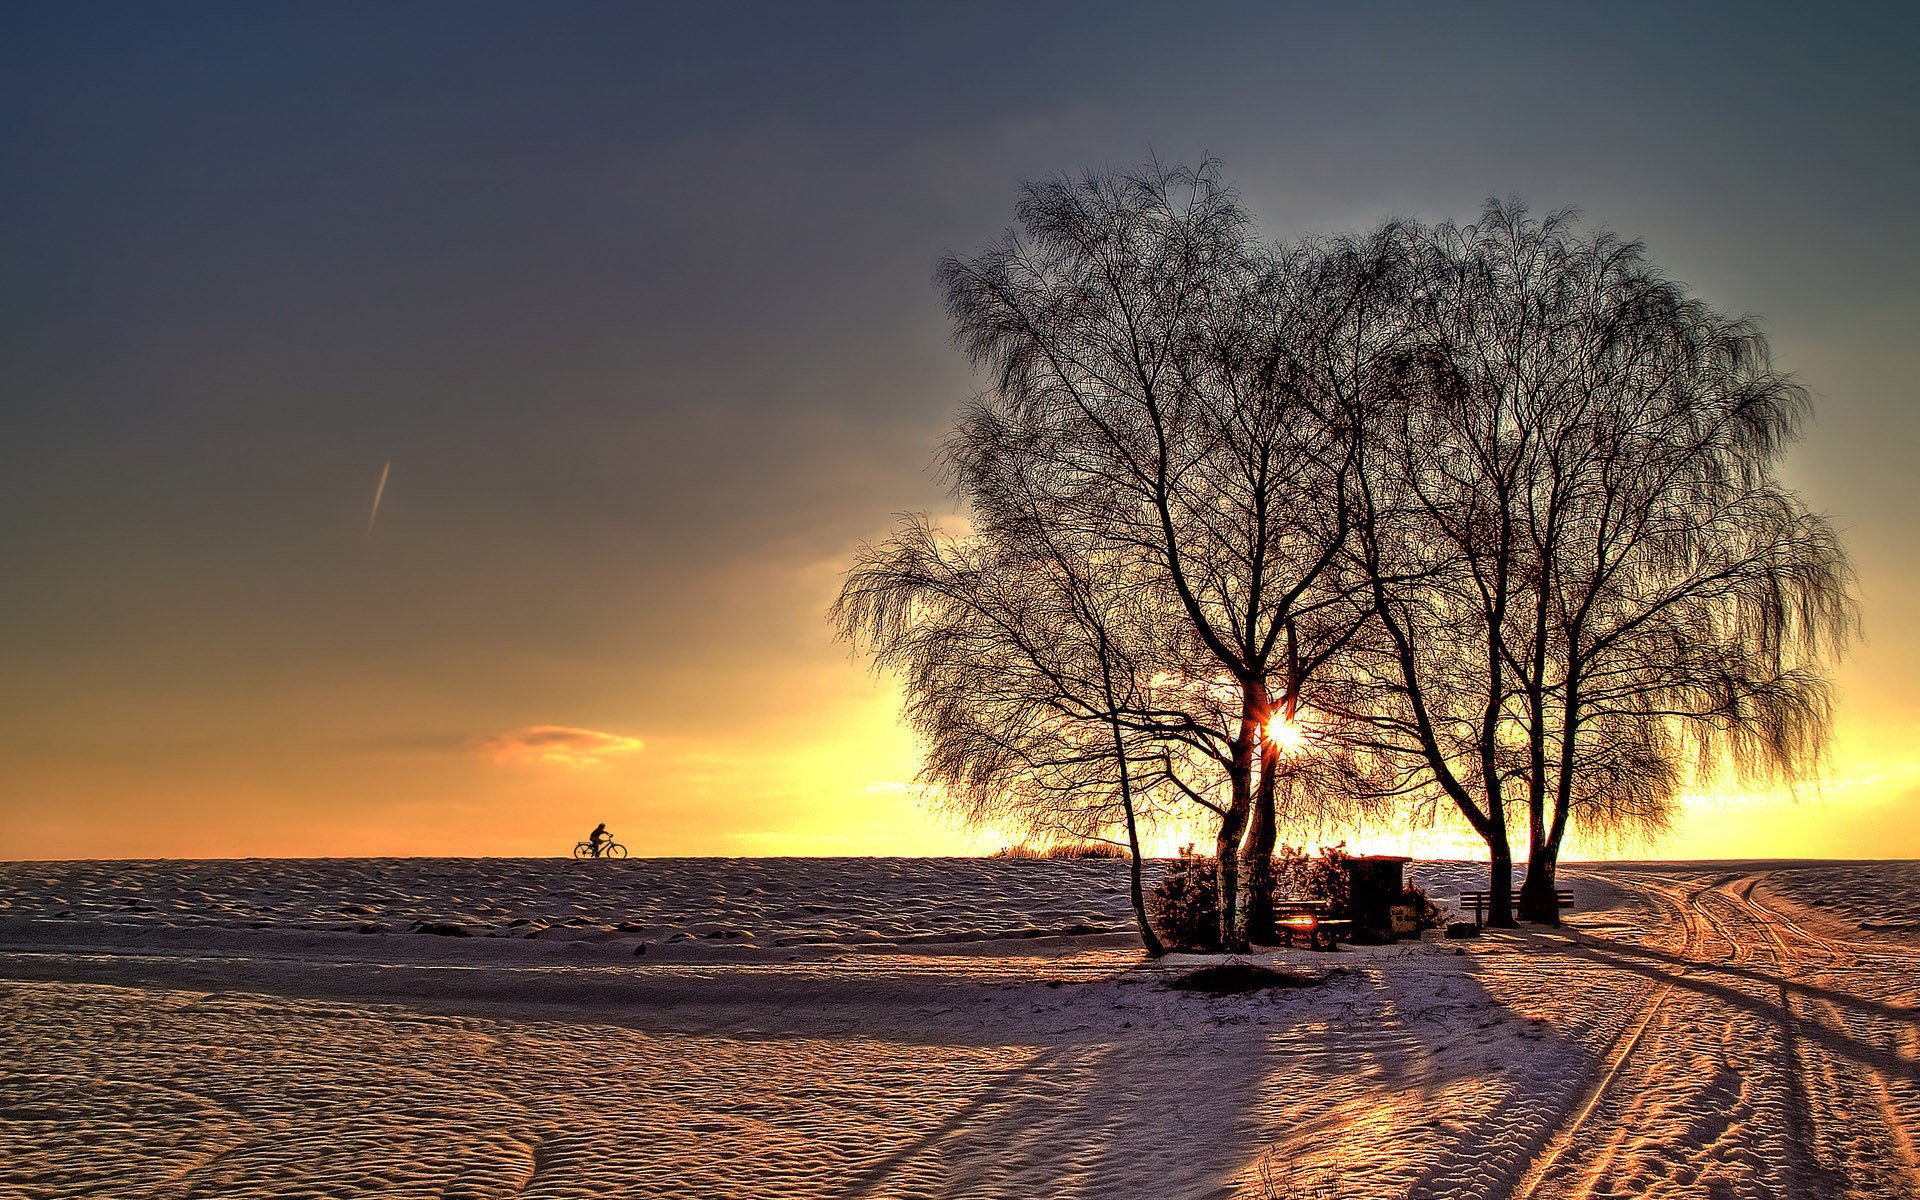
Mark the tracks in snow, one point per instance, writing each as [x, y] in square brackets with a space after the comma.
[1761, 1063]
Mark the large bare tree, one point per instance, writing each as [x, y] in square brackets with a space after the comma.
[1172, 372]
[1491, 508]
[1590, 588]
[1027, 675]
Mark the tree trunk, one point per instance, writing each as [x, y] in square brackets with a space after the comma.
[1538, 899]
[1539, 857]
[1537, 903]
[1226, 865]
[1148, 936]
[1257, 920]
[1226, 845]
[1500, 884]
[1257, 855]
[1539, 894]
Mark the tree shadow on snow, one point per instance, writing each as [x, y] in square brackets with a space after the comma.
[1188, 1102]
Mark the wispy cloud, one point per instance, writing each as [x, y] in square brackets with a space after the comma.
[556, 745]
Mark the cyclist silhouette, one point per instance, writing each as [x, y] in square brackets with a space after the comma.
[599, 844]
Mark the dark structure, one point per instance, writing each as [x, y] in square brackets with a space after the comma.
[1375, 887]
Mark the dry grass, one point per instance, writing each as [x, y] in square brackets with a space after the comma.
[1282, 1180]
[1069, 851]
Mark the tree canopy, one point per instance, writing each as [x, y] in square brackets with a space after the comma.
[1490, 510]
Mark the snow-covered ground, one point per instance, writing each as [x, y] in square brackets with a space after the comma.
[1696, 1030]
[1878, 898]
[766, 901]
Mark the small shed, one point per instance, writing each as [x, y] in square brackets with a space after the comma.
[1375, 885]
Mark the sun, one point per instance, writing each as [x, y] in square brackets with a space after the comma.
[1286, 735]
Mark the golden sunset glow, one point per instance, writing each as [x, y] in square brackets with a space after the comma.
[460, 524]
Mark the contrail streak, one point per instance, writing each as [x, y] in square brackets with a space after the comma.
[379, 491]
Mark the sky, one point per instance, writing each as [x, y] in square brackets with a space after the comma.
[636, 301]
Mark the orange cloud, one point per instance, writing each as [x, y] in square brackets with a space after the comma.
[556, 745]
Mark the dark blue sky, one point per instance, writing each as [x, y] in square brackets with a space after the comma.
[636, 299]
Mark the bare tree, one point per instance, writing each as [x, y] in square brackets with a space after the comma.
[1321, 326]
[1590, 589]
[1024, 675]
[1164, 370]
[1490, 508]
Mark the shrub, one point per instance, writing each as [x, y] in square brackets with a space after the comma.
[1185, 905]
[1323, 876]
[1019, 852]
[1426, 914]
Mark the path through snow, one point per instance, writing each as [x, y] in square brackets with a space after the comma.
[1681, 1037]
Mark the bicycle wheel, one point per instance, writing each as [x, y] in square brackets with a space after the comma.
[582, 850]
[615, 850]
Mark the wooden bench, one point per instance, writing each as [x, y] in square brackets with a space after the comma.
[1296, 921]
[1482, 903]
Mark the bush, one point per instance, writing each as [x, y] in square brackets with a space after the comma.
[1426, 914]
[1324, 876]
[1019, 852]
[1298, 875]
[1185, 905]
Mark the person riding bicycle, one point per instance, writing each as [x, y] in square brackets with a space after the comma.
[599, 838]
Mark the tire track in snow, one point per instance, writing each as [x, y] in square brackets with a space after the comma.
[1867, 1081]
[1568, 1136]
[1826, 1089]
[1807, 1172]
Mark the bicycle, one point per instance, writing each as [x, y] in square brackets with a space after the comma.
[605, 850]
